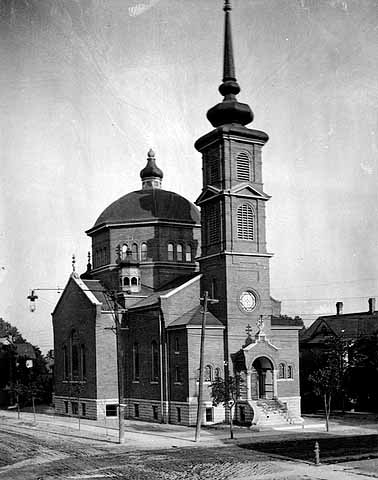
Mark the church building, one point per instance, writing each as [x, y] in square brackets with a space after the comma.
[129, 328]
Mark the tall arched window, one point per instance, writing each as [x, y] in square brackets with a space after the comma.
[289, 371]
[154, 361]
[179, 252]
[243, 167]
[65, 363]
[170, 251]
[124, 251]
[135, 362]
[134, 281]
[143, 251]
[246, 222]
[208, 374]
[217, 373]
[83, 362]
[75, 362]
[134, 250]
[213, 288]
[188, 253]
[126, 282]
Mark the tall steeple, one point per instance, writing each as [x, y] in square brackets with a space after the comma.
[230, 110]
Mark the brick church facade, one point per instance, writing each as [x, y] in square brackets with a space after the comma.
[154, 255]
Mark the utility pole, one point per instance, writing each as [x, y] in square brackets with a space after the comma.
[205, 301]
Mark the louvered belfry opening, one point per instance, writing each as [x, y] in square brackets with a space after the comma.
[246, 222]
[243, 167]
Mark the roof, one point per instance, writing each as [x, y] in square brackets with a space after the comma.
[154, 298]
[147, 205]
[287, 321]
[194, 318]
[351, 325]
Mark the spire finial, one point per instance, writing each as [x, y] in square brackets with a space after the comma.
[151, 174]
[230, 110]
[73, 263]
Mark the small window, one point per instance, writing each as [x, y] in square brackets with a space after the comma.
[188, 253]
[179, 252]
[65, 407]
[178, 412]
[208, 374]
[111, 410]
[124, 251]
[289, 371]
[83, 409]
[170, 251]
[177, 345]
[75, 408]
[143, 251]
[281, 370]
[134, 281]
[126, 282]
[217, 372]
[136, 410]
[155, 412]
[209, 414]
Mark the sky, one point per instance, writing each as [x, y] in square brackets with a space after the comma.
[88, 86]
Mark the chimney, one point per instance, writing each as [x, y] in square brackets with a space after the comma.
[371, 305]
[339, 308]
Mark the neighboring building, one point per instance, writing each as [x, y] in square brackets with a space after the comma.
[158, 255]
[345, 326]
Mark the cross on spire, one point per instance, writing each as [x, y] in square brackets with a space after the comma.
[248, 330]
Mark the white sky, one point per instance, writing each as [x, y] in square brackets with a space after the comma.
[88, 86]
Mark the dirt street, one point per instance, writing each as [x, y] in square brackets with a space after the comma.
[37, 452]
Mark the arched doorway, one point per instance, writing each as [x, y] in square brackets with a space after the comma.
[263, 381]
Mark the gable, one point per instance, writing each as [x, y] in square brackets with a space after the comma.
[246, 190]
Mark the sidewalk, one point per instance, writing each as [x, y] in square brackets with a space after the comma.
[149, 435]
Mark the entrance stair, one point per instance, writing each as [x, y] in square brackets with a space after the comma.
[272, 412]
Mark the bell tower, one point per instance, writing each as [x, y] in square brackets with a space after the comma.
[234, 260]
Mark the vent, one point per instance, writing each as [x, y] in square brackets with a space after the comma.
[243, 167]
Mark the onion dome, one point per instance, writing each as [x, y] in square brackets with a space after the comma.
[151, 174]
[230, 110]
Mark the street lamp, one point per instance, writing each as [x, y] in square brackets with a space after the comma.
[32, 298]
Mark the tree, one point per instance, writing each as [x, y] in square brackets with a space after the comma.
[225, 393]
[10, 333]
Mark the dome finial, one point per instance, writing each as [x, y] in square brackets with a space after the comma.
[230, 110]
[151, 174]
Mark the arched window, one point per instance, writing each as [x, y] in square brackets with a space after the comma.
[75, 359]
[217, 372]
[143, 250]
[170, 251]
[126, 282]
[177, 345]
[289, 371]
[83, 362]
[281, 370]
[65, 363]
[135, 362]
[134, 251]
[246, 222]
[188, 253]
[179, 252]
[154, 361]
[134, 281]
[177, 374]
[124, 251]
[208, 374]
[243, 167]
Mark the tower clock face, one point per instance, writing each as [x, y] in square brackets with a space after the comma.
[247, 301]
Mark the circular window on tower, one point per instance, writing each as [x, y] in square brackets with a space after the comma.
[247, 301]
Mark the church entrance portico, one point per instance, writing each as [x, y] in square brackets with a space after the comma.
[262, 379]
